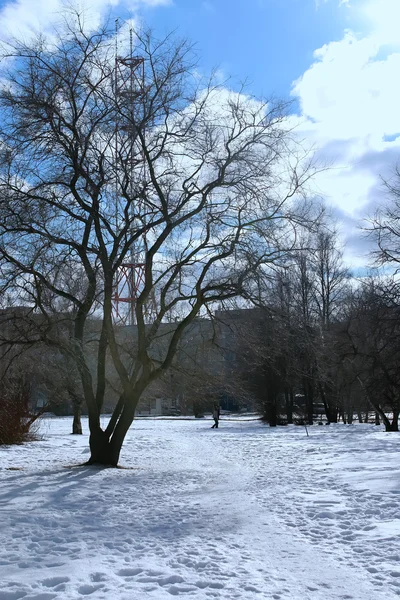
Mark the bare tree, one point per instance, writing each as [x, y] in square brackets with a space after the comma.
[330, 275]
[384, 226]
[330, 285]
[382, 313]
[201, 180]
[373, 347]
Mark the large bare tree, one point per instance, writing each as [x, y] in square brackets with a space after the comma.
[101, 166]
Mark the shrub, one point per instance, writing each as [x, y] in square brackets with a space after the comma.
[17, 419]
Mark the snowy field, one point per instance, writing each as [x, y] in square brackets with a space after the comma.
[242, 512]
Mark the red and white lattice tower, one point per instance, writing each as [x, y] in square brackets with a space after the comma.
[129, 97]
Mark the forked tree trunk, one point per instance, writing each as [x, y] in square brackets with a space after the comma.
[105, 446]
[102, 450]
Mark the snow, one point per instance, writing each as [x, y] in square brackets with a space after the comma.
[242, 512]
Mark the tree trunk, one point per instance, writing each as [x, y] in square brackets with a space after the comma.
[359, 415]
[105, 446]
[386, 422]
[395, 421]
[289, 406]
[350, 415]
[273, 418]
[377, 419]
[76, 424]
[269, 409]
[330, 407]
[333, 416]
[102, 450]
[269, 414]
[309, 397]
[325, 402]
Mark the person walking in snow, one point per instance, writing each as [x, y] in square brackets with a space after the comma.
[215, 415]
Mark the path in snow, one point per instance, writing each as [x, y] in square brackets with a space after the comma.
[340, 489]
[243, 512]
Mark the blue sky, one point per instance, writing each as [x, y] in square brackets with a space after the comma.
[269, 41]
[339, 60]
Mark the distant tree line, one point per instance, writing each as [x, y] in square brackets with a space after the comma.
[324, 343]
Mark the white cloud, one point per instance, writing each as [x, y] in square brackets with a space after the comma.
[18, 18]
[352, 91]
[349, 99]
[384, 19]
[23, 17]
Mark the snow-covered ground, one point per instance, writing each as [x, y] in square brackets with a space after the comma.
[242, 512]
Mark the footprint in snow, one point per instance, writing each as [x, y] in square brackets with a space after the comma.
[96, 577]
[86, 590]
[54, 581]
[129, 572]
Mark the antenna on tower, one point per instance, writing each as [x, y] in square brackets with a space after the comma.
[129, 91]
